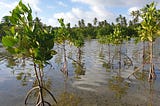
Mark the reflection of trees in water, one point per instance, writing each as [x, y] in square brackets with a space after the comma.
[64, 68]
[24, 77]
[106, 62]
[20, 69]
[75, 58]
[6, 57]
[146, 87]
[118, 85]
[107, 66]
[144, 65]
[78, 64]
[11, 62]
[101, 52]
[18, 66]
[121, 59]
[68, 99]
[140, 75]
[148, 91]
[14, 62]
[47, 83]
[34, 95]
[24, 74]
[151, 94]
[115, 59]
[58, 56]
[79, 70]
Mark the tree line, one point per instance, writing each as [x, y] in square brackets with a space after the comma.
[87, 30]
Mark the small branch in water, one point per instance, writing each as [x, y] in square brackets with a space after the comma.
[64, 69]
[39, 100]
[76, 62]
[28, 93]
[135, 71]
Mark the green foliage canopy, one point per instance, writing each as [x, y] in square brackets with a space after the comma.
[28, 37]
[150, 22]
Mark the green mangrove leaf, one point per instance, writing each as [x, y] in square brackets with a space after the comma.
[16, 14]
[45, 31]
[13, 21]
[13, 50]
[24, 8]
[12, 30]
[9, 41]
[29, 17]
[36, 53]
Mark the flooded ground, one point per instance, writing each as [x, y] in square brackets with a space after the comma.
[99, 79]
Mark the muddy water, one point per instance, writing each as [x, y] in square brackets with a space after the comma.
[100, 80]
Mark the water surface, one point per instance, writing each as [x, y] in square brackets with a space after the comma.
[93, 83]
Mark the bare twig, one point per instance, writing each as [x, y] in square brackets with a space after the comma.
[76, 62]
[135, 70]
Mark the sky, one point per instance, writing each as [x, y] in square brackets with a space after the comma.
[74, 10]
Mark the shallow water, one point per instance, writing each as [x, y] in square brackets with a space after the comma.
[94, 83]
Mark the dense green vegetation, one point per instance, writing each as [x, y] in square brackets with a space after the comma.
[89, 30]
[28, 38]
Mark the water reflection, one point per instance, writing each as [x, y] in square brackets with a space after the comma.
[33, 96]
[11, 62]
[148, 92]
[101, 82]
[79, 65]
[140, 75]
[120, 58]
[68, 99]
[151, 90]
[24, 77]
[145, 89]
[118, 85]
[23, 70]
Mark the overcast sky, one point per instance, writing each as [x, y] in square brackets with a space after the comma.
[73, 10]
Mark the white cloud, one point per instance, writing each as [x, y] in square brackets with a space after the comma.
[133, 9]
[68, 17]
[6, 7]
[96, 8]
[77, 14]
[99, 7]
[62, 4]
[91, 2]
[115, 3]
